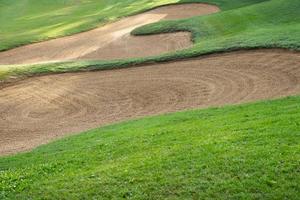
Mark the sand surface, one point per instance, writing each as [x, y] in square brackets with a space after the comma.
[37, 110]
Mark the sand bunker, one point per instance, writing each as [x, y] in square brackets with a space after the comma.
[38, 110]
[112, 41]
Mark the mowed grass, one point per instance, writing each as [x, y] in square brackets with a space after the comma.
[249, 151]
[273, 23]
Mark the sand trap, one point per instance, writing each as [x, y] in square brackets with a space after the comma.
[112, 41]
[38, 110]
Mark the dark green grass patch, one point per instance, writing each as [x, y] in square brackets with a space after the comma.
[250, 151]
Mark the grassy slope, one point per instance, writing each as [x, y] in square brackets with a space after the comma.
[229, 5]
[238, 152]
[274, 23]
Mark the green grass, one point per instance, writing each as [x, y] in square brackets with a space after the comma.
[274, 23]
[249, 151]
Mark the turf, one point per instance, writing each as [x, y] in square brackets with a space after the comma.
[274, 23]
[249, 151]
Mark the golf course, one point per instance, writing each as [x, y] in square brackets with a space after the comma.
[150, 99]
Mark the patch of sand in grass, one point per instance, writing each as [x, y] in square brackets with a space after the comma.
[112, 41]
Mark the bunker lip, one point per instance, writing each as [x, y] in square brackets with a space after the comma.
[38, 110]
[112, 41]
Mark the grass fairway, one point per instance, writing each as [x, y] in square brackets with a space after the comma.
[240, 152]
